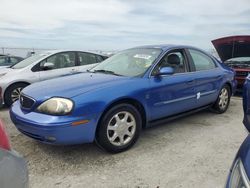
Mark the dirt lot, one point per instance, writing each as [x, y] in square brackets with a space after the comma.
[195, 151]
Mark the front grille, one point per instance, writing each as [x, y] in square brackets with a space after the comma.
[35, 136]
[241, 73]
[26, 102]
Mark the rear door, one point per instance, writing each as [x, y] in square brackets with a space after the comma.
[88, 60]
[64, 64]
[208, 77]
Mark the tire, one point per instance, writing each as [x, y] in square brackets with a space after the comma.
[223, 100]
[14, 89]
[119, 128]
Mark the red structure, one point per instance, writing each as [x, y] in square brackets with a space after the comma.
[232, 47]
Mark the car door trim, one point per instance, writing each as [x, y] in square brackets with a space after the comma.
[208, 92]
[175, 100]
[184, 98]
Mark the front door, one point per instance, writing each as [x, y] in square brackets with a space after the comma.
[171, 94]
[64, 63]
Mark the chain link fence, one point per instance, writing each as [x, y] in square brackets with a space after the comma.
[22, 52]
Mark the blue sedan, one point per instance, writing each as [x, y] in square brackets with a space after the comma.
[131, 90]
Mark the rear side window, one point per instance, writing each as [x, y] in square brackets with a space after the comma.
[201, 61]
[87, 58]
[99, 58]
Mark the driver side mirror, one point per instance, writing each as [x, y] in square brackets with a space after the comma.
[48, 66]
[166, 71]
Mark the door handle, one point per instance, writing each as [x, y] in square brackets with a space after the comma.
[190, 82]
[73, 70]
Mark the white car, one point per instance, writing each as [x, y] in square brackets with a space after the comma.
[39, 67]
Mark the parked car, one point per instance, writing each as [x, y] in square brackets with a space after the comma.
[239, 174]
[43, 66]
[234, 51]
[240, 171]
[111, 102]
[13, 168]
[8, 60]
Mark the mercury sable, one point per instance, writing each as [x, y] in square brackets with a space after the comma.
[113, 101]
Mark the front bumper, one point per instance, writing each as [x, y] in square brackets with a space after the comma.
[49, 129]
[240, 81]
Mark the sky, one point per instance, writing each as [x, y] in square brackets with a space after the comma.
[119, 24]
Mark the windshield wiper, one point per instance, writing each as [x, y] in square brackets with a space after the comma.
[106, 72]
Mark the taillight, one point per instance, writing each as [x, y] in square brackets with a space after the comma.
[4, 140]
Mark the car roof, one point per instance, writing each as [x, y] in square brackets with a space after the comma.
[166, 47]
[70, 50]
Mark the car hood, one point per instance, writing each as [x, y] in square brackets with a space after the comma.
[231, 47]
[71, 86]
[3, 66]
[7, 70]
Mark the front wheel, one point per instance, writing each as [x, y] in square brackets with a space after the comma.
[119, 128]
[223, 100]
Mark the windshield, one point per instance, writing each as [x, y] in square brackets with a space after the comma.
[28, 61]
[133, 62]
[239, 62]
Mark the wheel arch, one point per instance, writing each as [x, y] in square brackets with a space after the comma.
[19, 82]
[230, 87]
[137, 104]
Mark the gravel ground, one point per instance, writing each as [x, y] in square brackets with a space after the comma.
[195, 151]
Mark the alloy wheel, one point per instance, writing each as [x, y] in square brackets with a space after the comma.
[223, 98]
[121, 128]
[15, 94]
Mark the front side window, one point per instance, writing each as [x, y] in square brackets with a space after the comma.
[87, 58]
[133, 62]
[175, 60]
[60, 60]
[201, 61]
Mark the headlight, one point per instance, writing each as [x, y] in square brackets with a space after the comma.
[56, 106]
[1, 75]
[238, 178]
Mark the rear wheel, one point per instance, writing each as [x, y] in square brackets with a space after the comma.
[223, 100]
[13, 92]
[119, 128]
